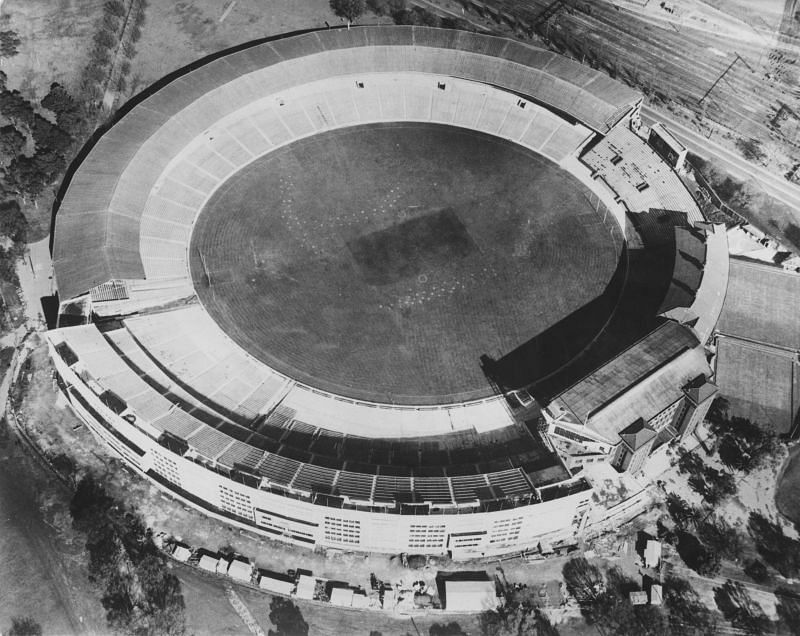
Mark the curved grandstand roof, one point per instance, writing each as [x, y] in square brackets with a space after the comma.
[98, 222]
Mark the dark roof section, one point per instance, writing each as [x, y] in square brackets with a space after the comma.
[96, 236]
[700, 389]
[630, 367]
[637, 434]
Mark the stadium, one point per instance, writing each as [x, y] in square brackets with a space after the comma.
[386, 289]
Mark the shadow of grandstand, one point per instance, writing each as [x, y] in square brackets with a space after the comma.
[626, 311]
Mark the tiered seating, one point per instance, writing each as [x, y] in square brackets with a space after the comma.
[356, 486]
[638, 175]
[289, 464]
[241, 455]
[468, 488]
[206, 363]
[564, 142]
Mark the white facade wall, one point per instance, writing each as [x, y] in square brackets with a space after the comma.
[304, 523]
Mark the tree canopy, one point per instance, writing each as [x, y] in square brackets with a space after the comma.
[777, 549]
[24, 626]
[348, 9]
[286, 618]
[517, 619]
[140, 594]
[736, 605]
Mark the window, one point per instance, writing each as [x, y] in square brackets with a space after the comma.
[506, 530]
[342, 530]
[426, 537]
[235, 502]
[562, 432]
[167, 468]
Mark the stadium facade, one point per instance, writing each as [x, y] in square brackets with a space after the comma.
[155, 378]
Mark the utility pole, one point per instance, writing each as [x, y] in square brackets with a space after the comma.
[738, 58]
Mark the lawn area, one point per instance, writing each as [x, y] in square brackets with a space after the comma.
[382, 261]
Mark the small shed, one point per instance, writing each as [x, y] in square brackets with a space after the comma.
[240, 569]
[342, 596]
[306, 587]
[656, 595]
[275, 582]
[652, 554]
[638, 598]
[181, 553]
[208, 562]
[465, 595]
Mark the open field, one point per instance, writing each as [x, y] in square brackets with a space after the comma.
[178, 33]
[56, 40]
[384, 260]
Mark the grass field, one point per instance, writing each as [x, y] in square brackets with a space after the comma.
[381, 262]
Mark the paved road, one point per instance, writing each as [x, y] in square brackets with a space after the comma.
[696, 142]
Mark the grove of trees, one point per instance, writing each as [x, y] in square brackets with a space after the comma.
[605, 603]
[139, 593]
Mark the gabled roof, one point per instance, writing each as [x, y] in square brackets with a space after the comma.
[632, 366]
[652, 395]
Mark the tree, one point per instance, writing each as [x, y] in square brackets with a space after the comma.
[89, 502]
[714, 485]
[751, 149]
[695, 555]
[66, 109]
[684, 514]
[756, 570]
[417, 16]
[286, 618]
[348, 9]
[584, 580]
[520, 619]
[9, 43]
[778, 550]
[719, 536]
[12, 141]
[114, 7]
[14, 106]
[140, 594]
[450, 629]
[686, 613]
[788, 608]
[24, 626]
[49, 138]
[734, 601]
[13, 223]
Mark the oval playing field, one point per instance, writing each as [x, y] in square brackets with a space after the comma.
[380, 262]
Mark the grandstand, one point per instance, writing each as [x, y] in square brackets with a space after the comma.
[758, 342]
[169, 385]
